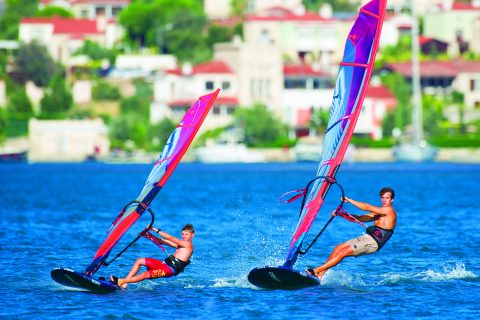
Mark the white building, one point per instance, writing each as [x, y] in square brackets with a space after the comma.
[177, 89]
[302, 36]
[378, 101]
[305, 90]
[89, 9]
[63, 37]
[454, 24]
[257, 69]
[67, 140]
[221, 9]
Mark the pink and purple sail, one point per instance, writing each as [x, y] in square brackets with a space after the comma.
[172, 153]
[352, 81]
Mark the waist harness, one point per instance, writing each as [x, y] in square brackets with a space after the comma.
[177, 264]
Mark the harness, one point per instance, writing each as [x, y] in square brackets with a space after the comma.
[177, 264]
[380, 235]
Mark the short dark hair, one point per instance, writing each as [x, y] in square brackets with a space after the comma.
[385, 190]
[188, 227]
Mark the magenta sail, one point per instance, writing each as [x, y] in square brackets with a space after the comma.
[352, 81]
[172, 153]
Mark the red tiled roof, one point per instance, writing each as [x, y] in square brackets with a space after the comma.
[301, 70]
[229, 22]
[212, 67]
[283, 14]
[437, 68]
[207, 67]
[227, 100]
[180, 103]
[404, 26]
[464, 6]
[66, 26]
[379, 92]
[423, 40]
[188, 102]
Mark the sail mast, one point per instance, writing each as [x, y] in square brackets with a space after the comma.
[417, 114]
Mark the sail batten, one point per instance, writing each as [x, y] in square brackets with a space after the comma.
[352, 81]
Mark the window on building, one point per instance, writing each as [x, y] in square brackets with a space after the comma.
[295, 83]
[475, 85]
[225, 85]
[322, 83]
[116, 11]
[99, 11]
[84, 13]
[265, 37]
[179, 112]
[209, 85]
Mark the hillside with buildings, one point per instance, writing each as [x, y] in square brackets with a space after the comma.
[284, 57]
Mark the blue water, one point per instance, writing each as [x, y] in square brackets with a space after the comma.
[56, 215]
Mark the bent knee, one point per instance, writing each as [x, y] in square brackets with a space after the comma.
[342, 246]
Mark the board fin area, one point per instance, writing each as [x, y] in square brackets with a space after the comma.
[79, 280]
[281, 278]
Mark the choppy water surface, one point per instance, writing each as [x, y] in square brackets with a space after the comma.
[57, 214]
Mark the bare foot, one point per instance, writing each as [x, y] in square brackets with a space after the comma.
[312, 272]
[118, 281]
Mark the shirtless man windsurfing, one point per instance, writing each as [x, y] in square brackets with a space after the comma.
[385, 220]
[171, 266]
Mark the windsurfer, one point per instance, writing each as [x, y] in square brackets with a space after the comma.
[173, 264]
[385, 219]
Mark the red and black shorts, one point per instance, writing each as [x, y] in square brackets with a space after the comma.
[158, 269]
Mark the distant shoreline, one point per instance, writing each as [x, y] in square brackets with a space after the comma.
[359, 155]
[460, 155]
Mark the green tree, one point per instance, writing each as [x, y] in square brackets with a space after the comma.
[138, 19]
[136, 106]
[186, 39]
[319, 120]
[337, 5]
[400, 52]
[4, 58]
[432, 107]
[19, 105]
[133, 124]
[14, 11]
[35, 63]
[96, 52]
[139, 104]
[57, 100]
[239, 8]
[51, 11]
[173, 27]
[218, 34]
[388, 124]
[129, 128]
[3, 124]
[103, 90]
[457, 98]
[403, 93]
[261, 127]
[160, 132]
